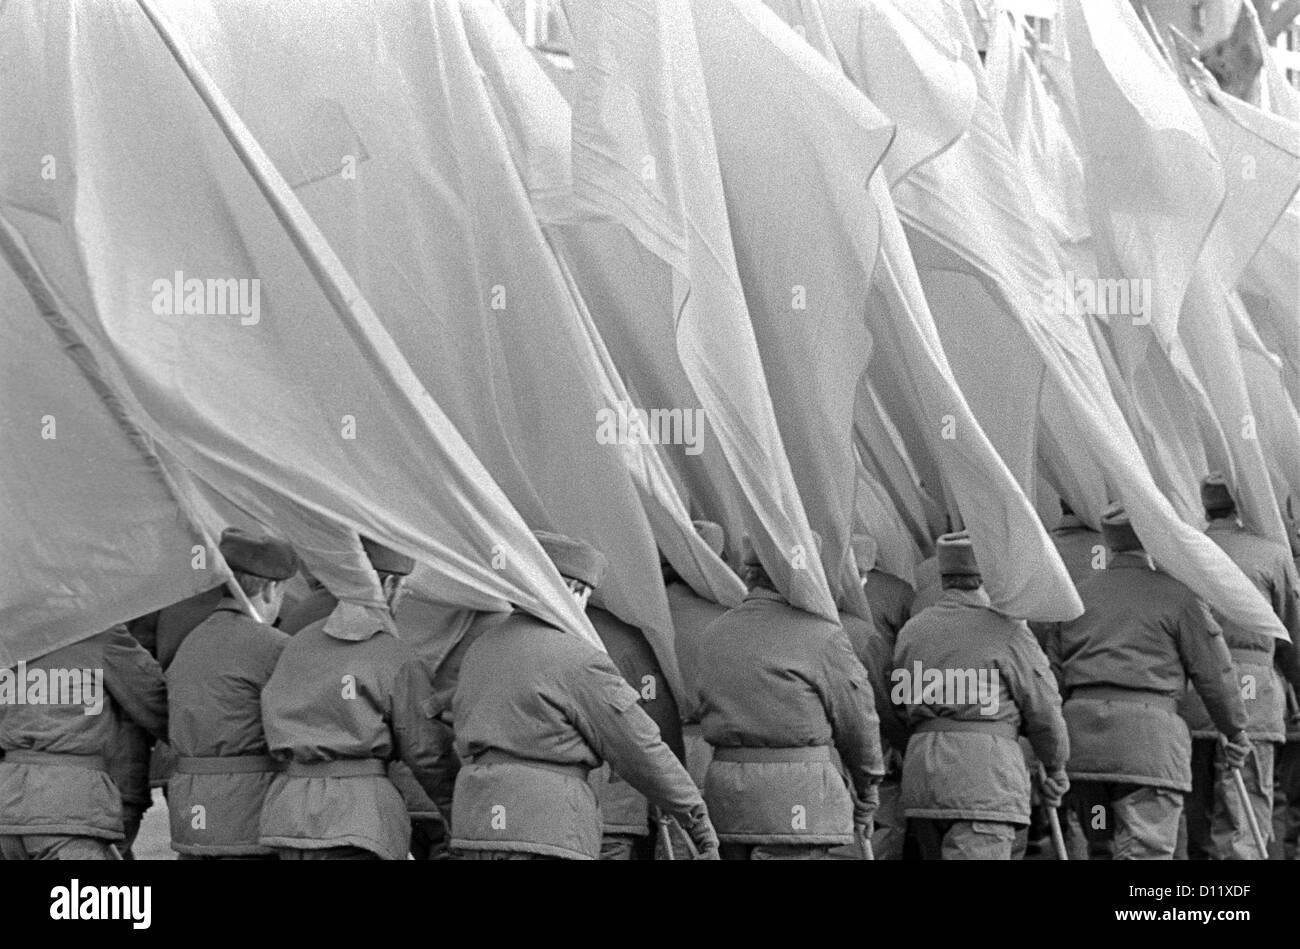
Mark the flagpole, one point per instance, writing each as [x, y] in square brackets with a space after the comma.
[46, 300]
[343, 295]
[319, 257]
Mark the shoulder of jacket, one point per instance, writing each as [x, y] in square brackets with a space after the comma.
[114, 634]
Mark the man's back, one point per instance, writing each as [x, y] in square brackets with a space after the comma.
[781, 692]
[128, 673]
[330, 698]
[1124, 664]
[222, 774]
[337, 711]
[1268, 566]
[1126, 636]
[50, 796]
[536, 708]
[971, 681]
[761, 673]
[215, 684]
[514, 692]
[961, 635]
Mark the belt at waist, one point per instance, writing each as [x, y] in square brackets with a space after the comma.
[493, 756]
[998, 727]
[231, 764]
[341, 768]
[89, 762]
[1250, 656]
[802, 753]
[1110, 693]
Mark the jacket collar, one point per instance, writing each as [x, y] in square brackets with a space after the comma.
[1224, 525]
[356, 622]
[230, 604]
[761, 594]
[979, 597]
[1132, 559]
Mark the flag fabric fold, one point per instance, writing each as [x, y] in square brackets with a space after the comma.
[96, 530]
[971, 203]
[1022, 570]
[805, 248]
[537, 123]
[644, 157]
[224, 317]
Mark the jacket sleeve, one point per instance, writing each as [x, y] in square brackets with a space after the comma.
[605, 711]
[1033, 687]
[891, 602]
[1286, 604]
[1049, 640]
[662, 709]
[423, 743]
[850, 707]
[1207, 660]
[880, 664]
[135, 681]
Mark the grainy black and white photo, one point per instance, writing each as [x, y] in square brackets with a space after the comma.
[650, 430]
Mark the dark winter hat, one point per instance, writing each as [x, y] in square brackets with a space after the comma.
[1215, 493]
[258, 554]
[957, 555]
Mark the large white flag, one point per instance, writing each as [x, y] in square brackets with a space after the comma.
[1018, 560]
[220, 313]
[96, 530]
[971, 205]
[644, 156]
[537, 122]
[433, 218]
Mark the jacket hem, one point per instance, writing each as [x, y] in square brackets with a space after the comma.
[945, 813]
[1145, 780]
[515, 846]
[220, 850]
[59, 830]
[1252, 734]
[316, 843]
[626, 830]
[830, 840]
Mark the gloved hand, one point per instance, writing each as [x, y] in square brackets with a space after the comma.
[865, 807]
[702, 834]
[1235, 750]
[1054, 785]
